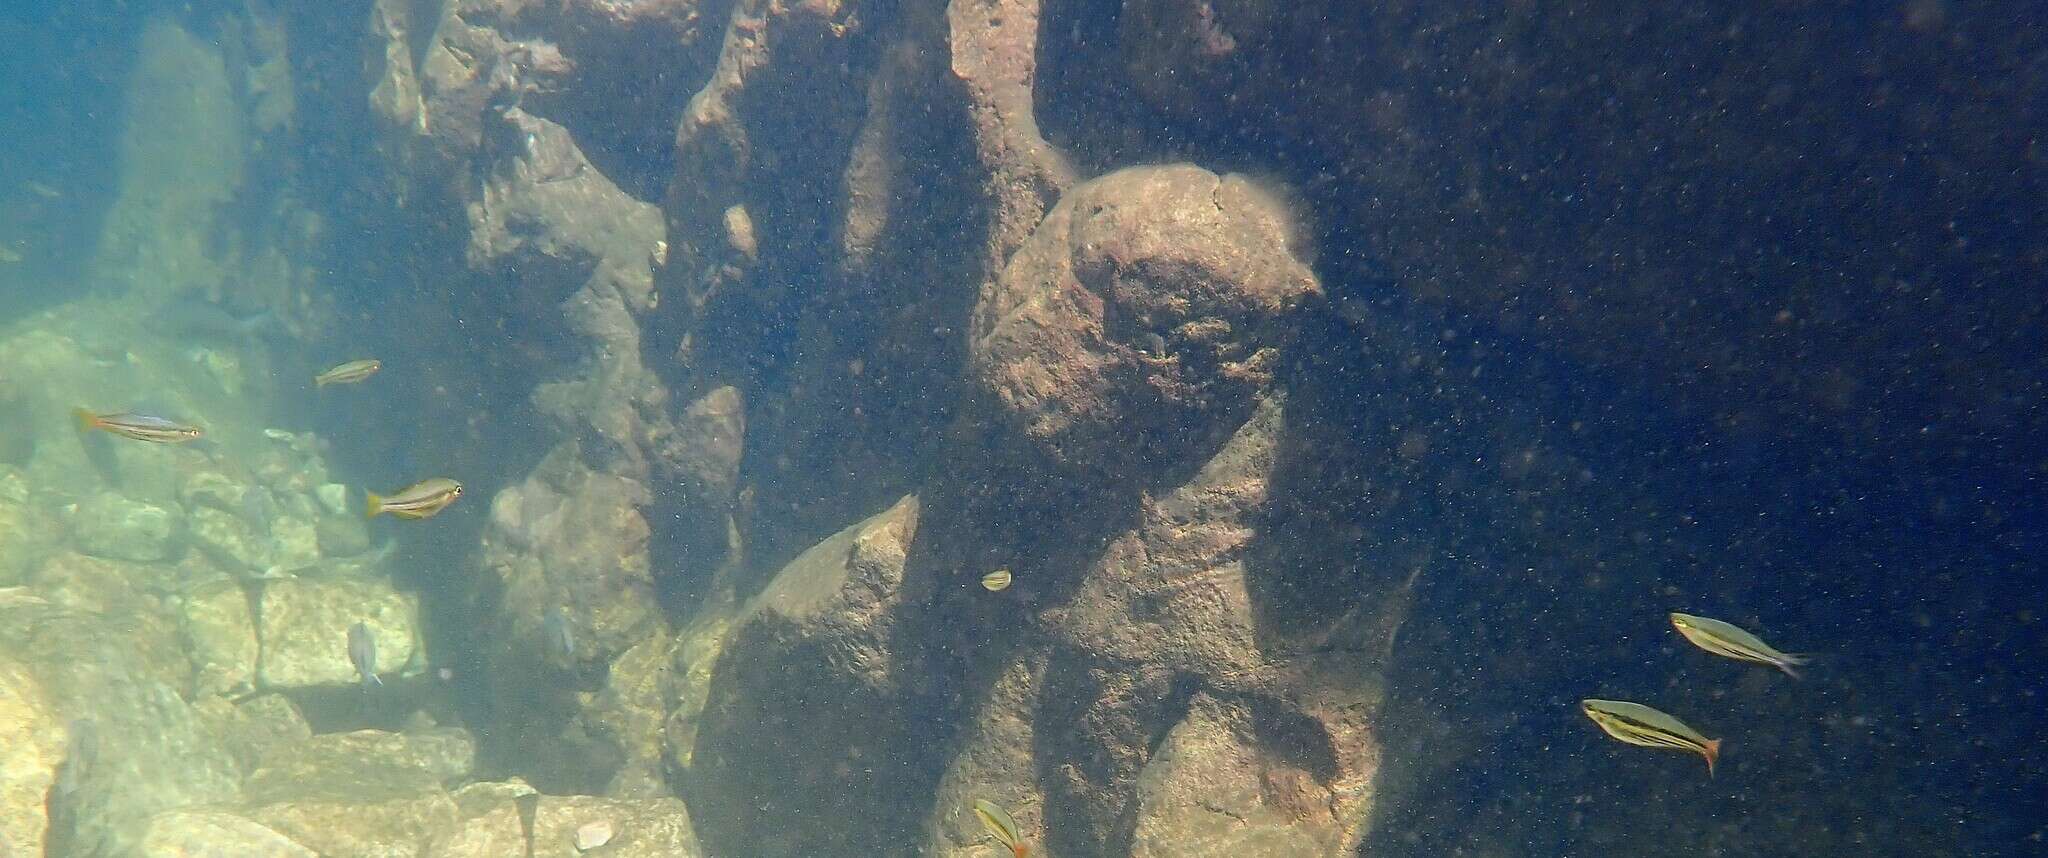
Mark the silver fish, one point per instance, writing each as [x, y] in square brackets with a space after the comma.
[362, 652]
[560, 637]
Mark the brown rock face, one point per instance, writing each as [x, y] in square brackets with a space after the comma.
[808, 707]
[1139, 320]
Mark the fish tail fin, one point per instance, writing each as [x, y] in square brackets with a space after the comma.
[1020, 850]
[319, 381]
[87, 421]
[1711, 749]
[374, 504]
[1791, 662]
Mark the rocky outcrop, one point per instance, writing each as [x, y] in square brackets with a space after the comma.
[1135, 326]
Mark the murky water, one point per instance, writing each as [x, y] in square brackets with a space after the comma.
[1034, 427]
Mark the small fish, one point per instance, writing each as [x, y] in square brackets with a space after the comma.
[416, 501]
[8, 255]
[996, 581]
[1723, 639]
[362, 652]
[141, 427]
[42, 190]
[1000, 826]
[555, 629]
[349, 373]
[81, 756]
[1637, 724]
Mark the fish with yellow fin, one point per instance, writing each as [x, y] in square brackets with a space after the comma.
[1641, 725]
[419, 500]
[997, 581]
[140, 427]
[1726, 640]
[349, 373]
[1000, 826]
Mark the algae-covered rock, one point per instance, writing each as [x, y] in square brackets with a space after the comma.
[188, 833]
[32, 745]
[258, 728]
[230, 541]
[489, 833]
[25, 538]
[641, 828]
[378, 825]
[340, 535]
[304, 630]
[298, 542]
[111, 525]
[362, 763]
[219, 632]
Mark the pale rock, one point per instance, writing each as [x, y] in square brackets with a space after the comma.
[188, 833]
[641, 828]
[341, 535]
[304, 630]
[229, 540]
[298, 543]
[220, 638]
[334, 497]
[32, 745]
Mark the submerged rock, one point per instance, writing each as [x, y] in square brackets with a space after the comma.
[304, 630]
[182, 833]
[111, 525]
[567, 826]
[32, 746]
[1137, 323]
[219, 632]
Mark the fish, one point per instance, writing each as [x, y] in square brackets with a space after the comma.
[419, 500]
[362, 652]
[42, 190]
[1000, 826]
[996, 581]
[1637, 724]
[81, 756]
[1726, 640]
[348, 373]
[9, 256]
[141, 427]
[560, 638]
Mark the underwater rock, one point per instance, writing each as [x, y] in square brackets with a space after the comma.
[1214, 788]
[111, 525]
[640, 828]
[219, 633]
[298, 542]
[181, 833]
[341, 535]
[378, 823]
[483, 833]
[362, 764]
[809, 697]
[23, 541]
[230, 541]
[257, 728]
[995, 762]
[32, 746]
[304, 623]
[1139, 321]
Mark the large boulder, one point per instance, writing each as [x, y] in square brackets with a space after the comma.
[1139, 320]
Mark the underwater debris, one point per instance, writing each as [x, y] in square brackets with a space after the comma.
[419, 500]
[1641, 725]
[1726, 640]
[591, 835]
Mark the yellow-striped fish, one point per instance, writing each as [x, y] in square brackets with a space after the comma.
[419, 500]
[1637, 724]
[1723, 639]
[141, 427]
[995, 581]
[348, 373]
[999, 824]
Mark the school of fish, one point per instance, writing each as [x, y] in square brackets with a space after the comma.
[418, 501]
[1648, 727]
